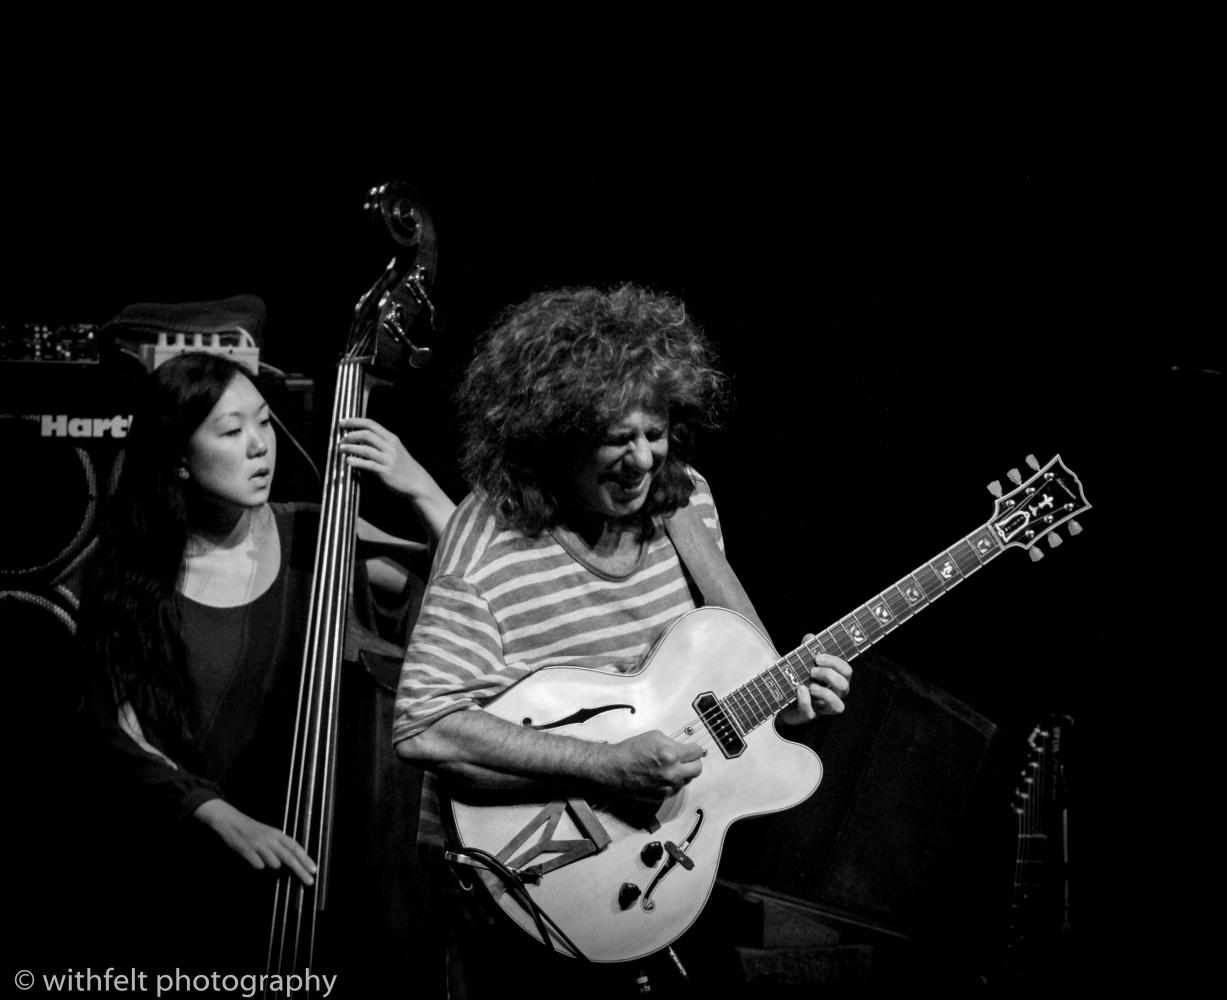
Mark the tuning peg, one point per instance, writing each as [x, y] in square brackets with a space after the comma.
[1075, 528]
[1014, 476]
[1053, 540]
[1034, 463]
[1036, 554]
[995, 487]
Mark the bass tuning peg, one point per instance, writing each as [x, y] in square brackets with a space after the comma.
[1014, 476]
[1075, 528]
[995, 487]
[1034, 463]
[1053, 540]
[1036, 554]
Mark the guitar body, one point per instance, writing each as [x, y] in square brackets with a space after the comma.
[710, 649]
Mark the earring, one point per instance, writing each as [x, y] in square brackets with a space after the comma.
[183, 473]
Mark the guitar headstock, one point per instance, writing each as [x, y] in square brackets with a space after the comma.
[1037, 746]
[1034, 509]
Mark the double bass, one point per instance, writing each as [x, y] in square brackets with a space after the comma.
[378, 348]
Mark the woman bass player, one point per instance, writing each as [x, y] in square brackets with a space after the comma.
[192, 625]
[579, 412]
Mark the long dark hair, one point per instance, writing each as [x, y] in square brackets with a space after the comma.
[129, 623]
[557, 370]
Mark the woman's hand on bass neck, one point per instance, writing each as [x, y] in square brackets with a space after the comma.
[373, 448]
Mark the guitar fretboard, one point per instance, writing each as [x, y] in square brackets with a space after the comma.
[758, 700]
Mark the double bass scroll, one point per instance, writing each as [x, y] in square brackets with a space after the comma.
[402, 292]
[378, 348]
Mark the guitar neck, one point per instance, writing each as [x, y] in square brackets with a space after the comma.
[774, 689]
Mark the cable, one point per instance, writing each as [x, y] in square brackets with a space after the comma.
[515, 885]
[301, 450]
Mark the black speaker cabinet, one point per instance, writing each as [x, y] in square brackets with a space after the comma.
[899, 769]
[63, 426]
[62, 432]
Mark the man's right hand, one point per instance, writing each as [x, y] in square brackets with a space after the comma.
[479, 750]
[652, 767]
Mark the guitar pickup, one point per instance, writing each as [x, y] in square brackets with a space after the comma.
[719, 724]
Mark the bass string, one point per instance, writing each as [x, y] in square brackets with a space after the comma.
[309, 796]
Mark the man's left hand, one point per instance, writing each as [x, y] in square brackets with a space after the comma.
[830, 680]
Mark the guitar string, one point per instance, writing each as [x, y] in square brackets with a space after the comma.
[742, 710]
[741, 706]
[700, 729]
[1031, 850]
[744, 701]
[745, 704]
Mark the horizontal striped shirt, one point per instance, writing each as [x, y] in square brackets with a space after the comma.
[501, 605]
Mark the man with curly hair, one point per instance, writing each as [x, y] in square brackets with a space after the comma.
[579, 413]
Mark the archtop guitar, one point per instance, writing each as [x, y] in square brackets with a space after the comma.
[612, 883]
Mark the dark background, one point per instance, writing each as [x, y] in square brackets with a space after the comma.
[900, 329]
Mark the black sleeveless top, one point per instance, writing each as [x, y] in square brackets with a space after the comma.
[244, 664]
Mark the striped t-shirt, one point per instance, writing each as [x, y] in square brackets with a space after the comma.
[500, 606]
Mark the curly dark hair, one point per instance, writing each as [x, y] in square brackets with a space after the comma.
[557, 370]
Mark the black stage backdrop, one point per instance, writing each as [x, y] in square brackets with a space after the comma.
[898, 335]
